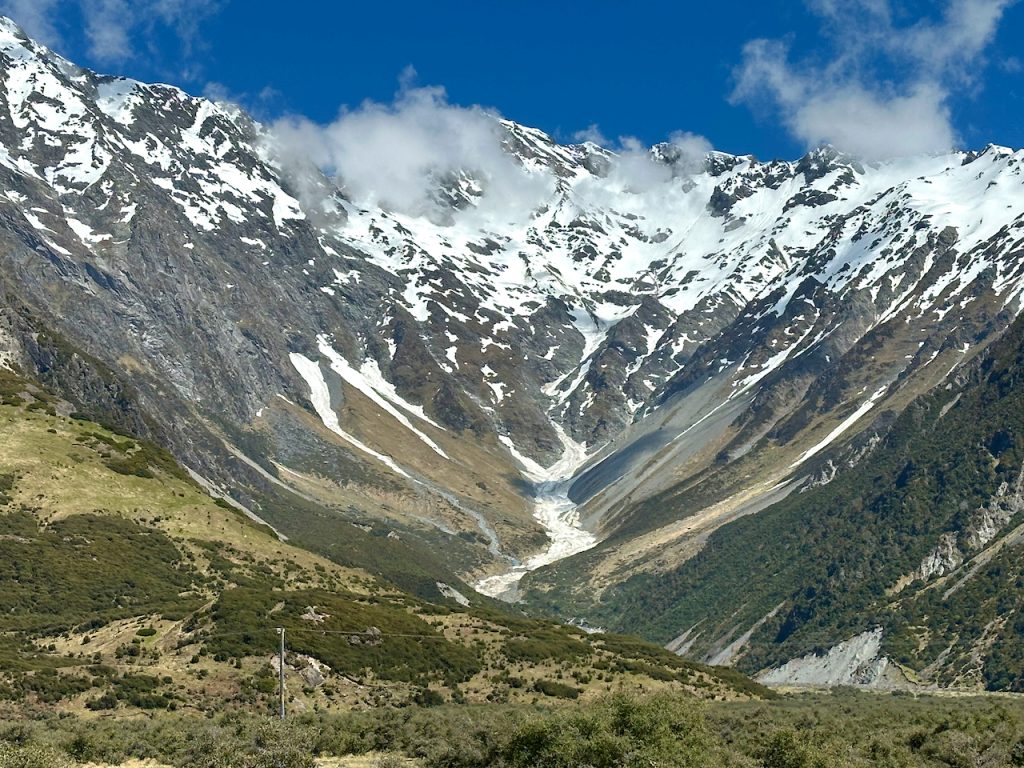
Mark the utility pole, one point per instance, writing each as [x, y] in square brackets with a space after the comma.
[280, 673]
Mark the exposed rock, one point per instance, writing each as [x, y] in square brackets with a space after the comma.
[314, 617]
[314, 672]
[982, 527]
[452, 594]
[164, 271]
[856, 661]
[371, 637]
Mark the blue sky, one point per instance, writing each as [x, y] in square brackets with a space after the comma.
[769, 78]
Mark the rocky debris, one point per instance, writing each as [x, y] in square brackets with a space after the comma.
[313, 672]
[944, 558]
[857, 661]
[451, 593]
[725, 654]
[371, 637]
[981, 528]
[312, 615]
[848, 458]
[989, 521]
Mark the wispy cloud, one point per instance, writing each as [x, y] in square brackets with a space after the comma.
[115, 30]
[36, 17]
[263, 105]
[591, 134]
[635, 168]
[395, 154]
[108, 26]
[885, 89]
[114, 26]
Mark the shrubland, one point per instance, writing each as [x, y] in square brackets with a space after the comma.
[841, 729]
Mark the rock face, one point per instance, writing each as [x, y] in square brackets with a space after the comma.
[857, 661]
[343, 371]
[977, 532]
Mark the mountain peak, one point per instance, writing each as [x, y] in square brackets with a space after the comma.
[13, 36]
[10, 26]
[824, 159]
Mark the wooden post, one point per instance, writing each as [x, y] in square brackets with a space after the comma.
[280, 674]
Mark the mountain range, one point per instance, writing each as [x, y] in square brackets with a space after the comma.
[654, 390]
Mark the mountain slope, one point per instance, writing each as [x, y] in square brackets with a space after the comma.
[126, 586]
[914, 554]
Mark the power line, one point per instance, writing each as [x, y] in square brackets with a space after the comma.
[317, 631]
[278, 630]
[366, 633]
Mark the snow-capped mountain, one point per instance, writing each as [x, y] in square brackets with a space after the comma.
[483, 376]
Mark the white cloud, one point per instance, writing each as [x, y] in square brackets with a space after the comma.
[635, 168]
[259, 105]
[592, 133]
[691, 149]
[848, 103]
[953, 46]
[107, 26]
[874, 126]
[393, 155]
[183, 16]
[113, 26]
[1011, 64]
[397, 155]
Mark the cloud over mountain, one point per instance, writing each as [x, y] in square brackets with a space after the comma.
[853, 99]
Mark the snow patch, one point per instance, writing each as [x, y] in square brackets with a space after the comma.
[320, 397]
[370, 382]
[848, 422]
[452, 594]
[553, 509]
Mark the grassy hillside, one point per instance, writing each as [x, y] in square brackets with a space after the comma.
[128, 587]
[845, 557]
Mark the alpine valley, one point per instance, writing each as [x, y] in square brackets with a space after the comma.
[768, 414]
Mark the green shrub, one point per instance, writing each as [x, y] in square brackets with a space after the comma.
[12, 756]
[6, 486]
[427, 697]
[788, 749]
[130, 466]
[554, 688]
[410, 650]
[86, 569]
[390, 760]
[618, 732]
[545, 644]
[100, 703]
[271, 745]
